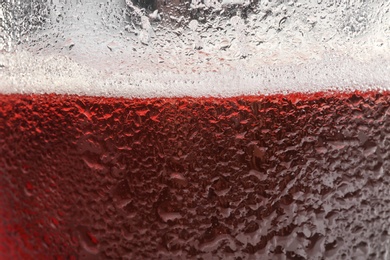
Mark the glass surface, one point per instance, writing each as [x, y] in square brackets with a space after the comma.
[225, 129]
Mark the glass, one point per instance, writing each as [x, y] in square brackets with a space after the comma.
[195, 129]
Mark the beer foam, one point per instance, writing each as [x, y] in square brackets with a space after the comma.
[119, 49]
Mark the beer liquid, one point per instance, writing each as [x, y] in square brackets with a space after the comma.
[299, 176]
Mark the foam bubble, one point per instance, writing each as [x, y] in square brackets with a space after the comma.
[118, 48]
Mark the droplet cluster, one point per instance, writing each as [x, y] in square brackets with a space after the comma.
[152, 48]
[287, 176]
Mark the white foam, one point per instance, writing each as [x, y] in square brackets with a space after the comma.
[228, 56]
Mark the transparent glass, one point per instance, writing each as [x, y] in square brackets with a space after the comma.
[228, 129]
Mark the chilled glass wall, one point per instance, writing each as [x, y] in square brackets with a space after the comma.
[194, 129]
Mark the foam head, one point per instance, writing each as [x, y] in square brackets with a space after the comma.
[221, 48]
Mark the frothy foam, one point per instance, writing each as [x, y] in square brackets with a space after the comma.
[273, 48]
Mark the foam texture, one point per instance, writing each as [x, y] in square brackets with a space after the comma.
[216, 48]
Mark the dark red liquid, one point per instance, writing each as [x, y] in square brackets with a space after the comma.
[301, 176]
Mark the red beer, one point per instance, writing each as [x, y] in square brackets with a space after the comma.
[298, 176]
